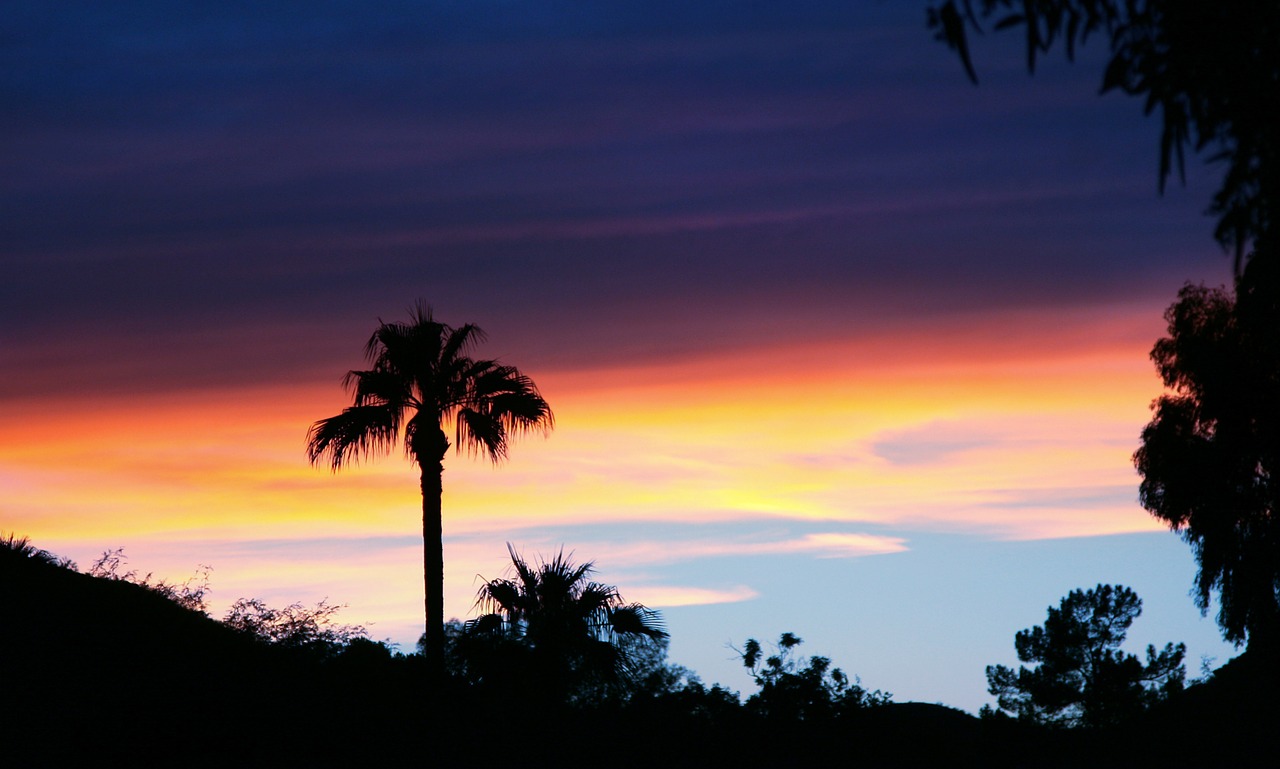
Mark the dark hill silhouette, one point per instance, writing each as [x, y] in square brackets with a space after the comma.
[110, 674]
[91, 662]
[1229, 720]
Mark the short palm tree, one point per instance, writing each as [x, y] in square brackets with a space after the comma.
[13, 546]
[421, 381]
[573, 634]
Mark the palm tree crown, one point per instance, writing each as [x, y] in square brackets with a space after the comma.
[421, 380]
[575, 633]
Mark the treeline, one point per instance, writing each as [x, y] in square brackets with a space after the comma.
[117, 669]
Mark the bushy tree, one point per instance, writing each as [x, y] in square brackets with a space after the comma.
[793, 688]
[1082, 678]
[1211, 453]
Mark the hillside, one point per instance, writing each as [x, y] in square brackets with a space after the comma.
[109, 673]
[112, 673]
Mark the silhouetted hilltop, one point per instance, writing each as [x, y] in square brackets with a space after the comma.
[95, 665]
[117, 674]
[110, 673]
[52, 612]
[1229, 720]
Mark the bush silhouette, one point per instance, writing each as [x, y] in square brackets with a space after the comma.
[812, 690]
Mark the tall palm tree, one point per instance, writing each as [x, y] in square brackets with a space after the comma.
[572, 635]
[421, 381]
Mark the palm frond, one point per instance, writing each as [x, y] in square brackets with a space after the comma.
[498, 401]
[379, 387]
[22, 547]
[500, 596]
[485, 623]
[523, 570]
[637, 620]
[523, 412]
[357, 432]
[479, 432]
[18, 545]
[520, 406]
[594, 601]
[460, 341]
[375, 349]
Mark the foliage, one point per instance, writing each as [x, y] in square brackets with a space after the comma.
[189, 594]
[421, 380]
[295, 626]
[1211, 68]
[551, 627]
[11, 545]
[693, 699]
[1083, 678]
[792, 689]
[651, 674]
[1211, 453]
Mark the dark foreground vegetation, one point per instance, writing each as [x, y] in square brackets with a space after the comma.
[106, 672]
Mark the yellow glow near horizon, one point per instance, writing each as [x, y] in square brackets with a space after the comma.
[998, 427]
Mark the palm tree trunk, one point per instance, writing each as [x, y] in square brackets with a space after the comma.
[433, 562]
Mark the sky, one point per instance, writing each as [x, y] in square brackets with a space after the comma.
[837, 342]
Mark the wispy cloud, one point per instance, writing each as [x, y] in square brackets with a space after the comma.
[632, 553]
[663, 596]
[931, 443]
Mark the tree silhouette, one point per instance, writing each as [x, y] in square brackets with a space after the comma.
[422, 380]
[807, 692]
[1083, 679]
[1211, 453]
[569, 636]
[1211, 68]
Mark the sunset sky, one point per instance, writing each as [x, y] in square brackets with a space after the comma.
[837, 342]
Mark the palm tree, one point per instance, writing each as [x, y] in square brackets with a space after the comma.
[571, 635]
[421, 381]
[20, 548]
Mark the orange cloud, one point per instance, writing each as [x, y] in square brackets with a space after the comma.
[1015, 426]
